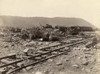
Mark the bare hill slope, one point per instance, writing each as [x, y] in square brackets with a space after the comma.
[16, 21]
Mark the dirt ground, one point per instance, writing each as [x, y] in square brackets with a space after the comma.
[80, 60]
[96, 68]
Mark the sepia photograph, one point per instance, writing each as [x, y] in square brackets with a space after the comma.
[49, 37]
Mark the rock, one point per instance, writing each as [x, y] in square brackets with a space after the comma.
[50, 72]
[76, 48]
[29, 51]
[38, 58]
[46, 72]
[33, 72]
[88, 70]
[6, 46]
[98, 46]
[2, 70]
[40, 43]
[28, 68]
[92, 60]
[30, 44]
[41, 39]
[20, 64]
[28, 40]
[59, 63]
[86, 49]
[24, 70]
[8, 72]
[5, 61]
[54, 53]
[46, 43]
[21, 55]
[83, 69]
[11, 54]
[84, 62]
[50, 60]
[91, 53]
[75, 65]
[79, 58]
[67, 59]
[38, 72]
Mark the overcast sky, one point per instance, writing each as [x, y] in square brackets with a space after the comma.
[86, 9]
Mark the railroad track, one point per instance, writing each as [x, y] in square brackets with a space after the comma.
[40, 57]
[14, 54]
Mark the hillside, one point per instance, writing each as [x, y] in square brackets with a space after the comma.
[16, 21]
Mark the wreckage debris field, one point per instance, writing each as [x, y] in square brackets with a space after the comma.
[49, 51]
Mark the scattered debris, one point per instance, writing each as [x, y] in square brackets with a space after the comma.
[81, 56]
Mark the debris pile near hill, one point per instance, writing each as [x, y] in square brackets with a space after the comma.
[47, 32]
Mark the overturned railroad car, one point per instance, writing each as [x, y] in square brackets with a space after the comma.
[74, 30]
